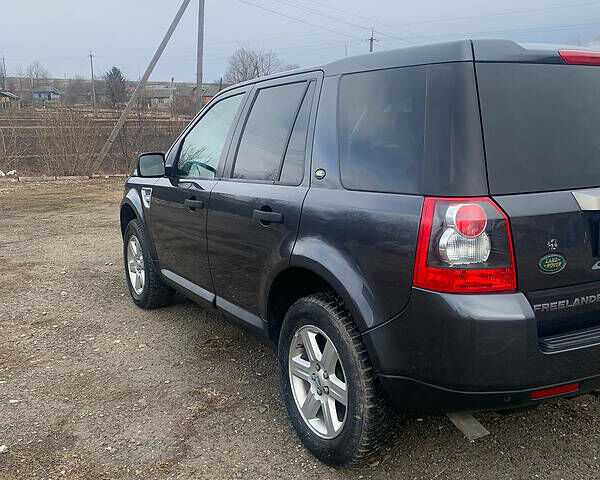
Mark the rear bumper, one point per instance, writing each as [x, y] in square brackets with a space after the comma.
[409, 394]
[451, 352]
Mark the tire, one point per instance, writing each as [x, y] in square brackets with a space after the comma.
[366, 416]
[154, 293]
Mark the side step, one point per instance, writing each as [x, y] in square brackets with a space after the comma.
[468, 425]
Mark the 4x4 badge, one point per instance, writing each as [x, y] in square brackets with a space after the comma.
[552, 263]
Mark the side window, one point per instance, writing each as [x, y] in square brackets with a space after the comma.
[381, 129]
[203, 145]
[266, 132]
[292, 172]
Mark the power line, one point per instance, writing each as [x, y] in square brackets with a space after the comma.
[519, 30]
[497, 14]
[337, 19]
[298, 19]
[373, 21]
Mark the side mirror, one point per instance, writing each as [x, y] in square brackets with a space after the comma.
[151, 165]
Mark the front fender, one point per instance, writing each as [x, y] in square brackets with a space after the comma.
[315, 254]
[133, 199]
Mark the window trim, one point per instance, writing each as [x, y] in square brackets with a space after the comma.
[240, 135]
[287, 146]
[222, 159]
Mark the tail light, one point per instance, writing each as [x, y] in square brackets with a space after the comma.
[580, 57]
[464, 246]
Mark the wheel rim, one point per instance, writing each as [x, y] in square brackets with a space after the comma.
[135, 265]
[318, 382]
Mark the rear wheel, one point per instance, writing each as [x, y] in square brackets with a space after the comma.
[327, 382]
[145, 286]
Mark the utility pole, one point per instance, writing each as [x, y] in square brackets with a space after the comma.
[200, 55]
[93, 83]
[3, 76]
[371, 41]
[140, 86]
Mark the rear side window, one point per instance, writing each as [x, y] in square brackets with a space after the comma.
[381, 129]
[413, 130]
[540, 126]
[266, 132]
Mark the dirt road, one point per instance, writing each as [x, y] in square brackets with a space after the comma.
[92, 387]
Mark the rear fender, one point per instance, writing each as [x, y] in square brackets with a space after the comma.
[316, 255]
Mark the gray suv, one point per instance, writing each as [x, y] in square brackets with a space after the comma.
[416, 227]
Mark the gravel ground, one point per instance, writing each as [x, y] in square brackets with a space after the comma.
[92, 387]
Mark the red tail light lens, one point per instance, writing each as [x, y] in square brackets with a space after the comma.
[550, 392]
[580, 57]
[464, 246]
[469, 219]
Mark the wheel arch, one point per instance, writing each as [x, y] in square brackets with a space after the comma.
[131, 208]
[305, 277]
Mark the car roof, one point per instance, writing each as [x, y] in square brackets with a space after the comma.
[454, 51]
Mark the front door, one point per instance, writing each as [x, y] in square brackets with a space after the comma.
[180, 201]
[254, 215]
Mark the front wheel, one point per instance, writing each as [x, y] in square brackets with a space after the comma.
[327, 382]
[145, 286]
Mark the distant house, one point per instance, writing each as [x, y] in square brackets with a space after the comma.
[46, 93]
[209, 90]
[9, 100]
[159, 96]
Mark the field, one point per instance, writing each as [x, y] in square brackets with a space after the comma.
[92, 387]
[64, 141]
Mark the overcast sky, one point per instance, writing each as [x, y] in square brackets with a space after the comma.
[125, 33]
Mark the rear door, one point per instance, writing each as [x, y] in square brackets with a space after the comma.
[540, 126]
[255, 209]
[180, 201]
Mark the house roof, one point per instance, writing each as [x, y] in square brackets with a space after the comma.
[210, 89]
[47, 89]
[159, 92]
[12, 96]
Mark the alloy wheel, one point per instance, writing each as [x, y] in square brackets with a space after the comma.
[135, 265]
[318, 381]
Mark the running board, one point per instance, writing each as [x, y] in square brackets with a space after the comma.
[468, 425]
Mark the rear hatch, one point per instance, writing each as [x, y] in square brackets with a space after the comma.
[541, 129]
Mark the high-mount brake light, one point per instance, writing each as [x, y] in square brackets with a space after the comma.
[580, 57]
[464, 246]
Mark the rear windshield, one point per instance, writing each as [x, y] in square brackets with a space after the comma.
[411, 130]
[541, 126]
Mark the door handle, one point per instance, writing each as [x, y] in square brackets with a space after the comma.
[267, 217]
[193, 204]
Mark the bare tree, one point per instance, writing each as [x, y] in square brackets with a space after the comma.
[68, 142]
[76, 89]
[20, 74]
[246, 64]
[35, 73]
[12, 148]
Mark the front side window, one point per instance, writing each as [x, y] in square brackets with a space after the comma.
[266, 133]
[203, 146]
